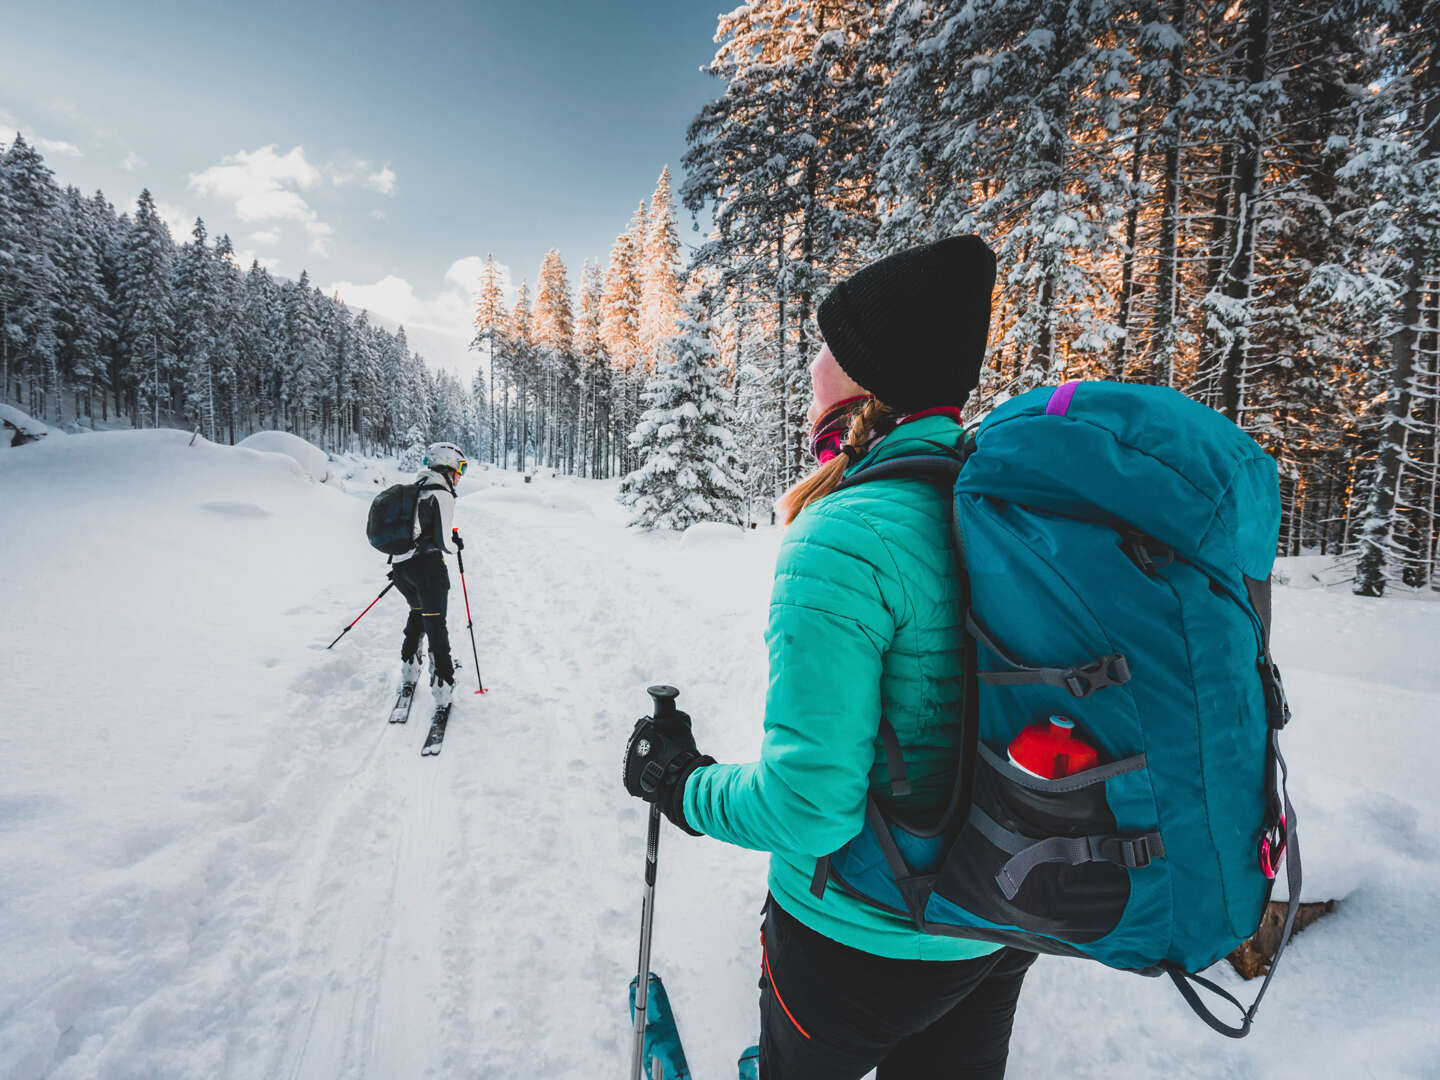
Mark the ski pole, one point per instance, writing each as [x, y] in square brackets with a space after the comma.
[357, 618]
[664, 698]
[469, 622]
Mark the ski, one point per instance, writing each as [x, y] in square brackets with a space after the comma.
[749, 1064]
[437, 731]
[400, 712]
[664, 1054]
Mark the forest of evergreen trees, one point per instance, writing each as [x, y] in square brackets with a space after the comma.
[104, 320]
[1238, 199]
[565, 385]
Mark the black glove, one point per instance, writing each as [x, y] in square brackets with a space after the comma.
[459, 544]
[659, 758]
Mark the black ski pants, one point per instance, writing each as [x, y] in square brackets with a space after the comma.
[830, 1012]
[425, 584]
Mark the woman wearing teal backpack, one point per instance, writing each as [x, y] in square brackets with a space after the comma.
[864, 624]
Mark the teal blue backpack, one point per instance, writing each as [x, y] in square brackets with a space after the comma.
[1117, 542]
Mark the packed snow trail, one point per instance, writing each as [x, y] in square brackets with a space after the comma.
[218, 860]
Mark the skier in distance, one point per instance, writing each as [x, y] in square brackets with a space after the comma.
[420, 573]
[862, 625]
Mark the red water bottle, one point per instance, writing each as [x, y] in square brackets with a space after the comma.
[1051, 750]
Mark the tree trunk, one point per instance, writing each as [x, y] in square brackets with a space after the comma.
[1127, 271]
[524, 404]
[1432, 534]
[1379, 516]
[783, 368]
[1241, 274]
[1168, 271]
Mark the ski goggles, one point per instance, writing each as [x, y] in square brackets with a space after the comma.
[460, 469]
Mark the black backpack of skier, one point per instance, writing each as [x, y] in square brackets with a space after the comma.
[390, 527]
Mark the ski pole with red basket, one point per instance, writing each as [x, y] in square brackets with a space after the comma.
[469, 622]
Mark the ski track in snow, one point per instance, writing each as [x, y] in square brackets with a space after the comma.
[317, 900]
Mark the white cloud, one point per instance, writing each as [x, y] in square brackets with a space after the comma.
[133, 161]
[179, 221]
[348, 170]
[265, 185]
[245, 256]
[440, 326]
[382, 181]
[57, 147]
[262, 184]
[380, 215]
[394, 298]
[320, 234]
[466, 274]
[10, 127]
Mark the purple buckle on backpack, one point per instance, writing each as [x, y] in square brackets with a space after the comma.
[1060, 399]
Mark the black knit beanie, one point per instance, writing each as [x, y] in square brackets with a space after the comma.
[911, 328]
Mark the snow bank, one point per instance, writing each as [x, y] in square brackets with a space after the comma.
[18, 427]
[359, 474]
[1313, 572]
[313, 461]
[544, 492]
[710, 533]
[153, 593]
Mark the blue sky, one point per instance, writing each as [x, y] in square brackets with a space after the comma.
[385, 148]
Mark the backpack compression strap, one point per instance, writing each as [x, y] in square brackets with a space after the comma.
[1081, 680]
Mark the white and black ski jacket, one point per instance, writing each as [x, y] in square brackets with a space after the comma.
[434, 513]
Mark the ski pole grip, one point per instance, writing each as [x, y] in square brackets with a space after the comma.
[664, 700]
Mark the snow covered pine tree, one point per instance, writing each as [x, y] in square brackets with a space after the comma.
[689, 470]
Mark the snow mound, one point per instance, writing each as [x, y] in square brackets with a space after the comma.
[313, 461]
[159, 598]
[560, 502]
[1313, 572]
[18, 427]
[362, 475]
[709, 533]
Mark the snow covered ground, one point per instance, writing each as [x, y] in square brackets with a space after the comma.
[217, 860]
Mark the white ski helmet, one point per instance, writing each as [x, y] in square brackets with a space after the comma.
[446, 456]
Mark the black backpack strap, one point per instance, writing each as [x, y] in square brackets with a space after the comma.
[899, 788]
[1081, 680]
[1131, 852]
[894, 760]
[1293, 881]
[820, 878]
[909, 467]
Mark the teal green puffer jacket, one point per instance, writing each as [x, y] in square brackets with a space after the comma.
[864, 622]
